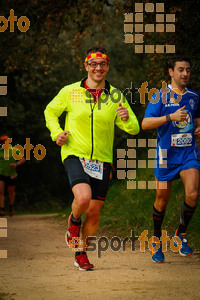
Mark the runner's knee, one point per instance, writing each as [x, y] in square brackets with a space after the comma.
[84, 199]
[191, 198]
[161, 203]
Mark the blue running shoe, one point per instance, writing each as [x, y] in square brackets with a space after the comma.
[185, 250]
[158, 256]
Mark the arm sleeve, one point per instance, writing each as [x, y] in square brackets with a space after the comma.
[153, 109]
[54, 110]
[131, 125]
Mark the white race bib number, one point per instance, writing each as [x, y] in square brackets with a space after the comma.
[94, 168]
[181, 140]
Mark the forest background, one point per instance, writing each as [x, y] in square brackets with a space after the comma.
[50, 55]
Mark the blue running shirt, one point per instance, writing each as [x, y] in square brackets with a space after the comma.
[176, 152]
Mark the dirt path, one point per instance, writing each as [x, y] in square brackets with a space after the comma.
[40, 266]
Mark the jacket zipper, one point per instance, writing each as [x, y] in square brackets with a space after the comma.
[92, 125]
[92, 132]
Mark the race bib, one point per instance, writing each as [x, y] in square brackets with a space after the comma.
[94, 168]
[181, 140]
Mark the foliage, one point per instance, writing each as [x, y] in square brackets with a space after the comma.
[50, 54]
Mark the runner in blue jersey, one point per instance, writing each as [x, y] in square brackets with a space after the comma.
[175, 114]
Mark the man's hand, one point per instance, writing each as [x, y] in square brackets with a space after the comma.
[62, 138]
[179, 115]
[123, 112]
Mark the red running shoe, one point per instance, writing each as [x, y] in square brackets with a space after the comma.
[72, 234]
[82, 262]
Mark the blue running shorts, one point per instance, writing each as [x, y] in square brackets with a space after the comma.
[172, 172]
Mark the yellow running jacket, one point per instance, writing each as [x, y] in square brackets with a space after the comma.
[91, 125]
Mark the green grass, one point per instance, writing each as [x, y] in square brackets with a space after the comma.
[125, 210]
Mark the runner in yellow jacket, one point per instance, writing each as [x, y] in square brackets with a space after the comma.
[92, 107]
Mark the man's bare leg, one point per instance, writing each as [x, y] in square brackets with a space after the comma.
[91, 223]
[82, 197]
[190, 179]
[162, 198]
[162, 195]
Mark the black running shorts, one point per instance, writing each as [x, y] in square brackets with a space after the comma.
[8, 180]
[76, 174]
